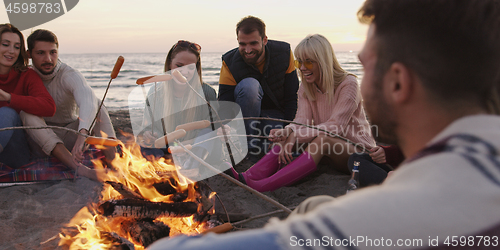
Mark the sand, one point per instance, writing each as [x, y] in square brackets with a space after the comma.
[32, 215]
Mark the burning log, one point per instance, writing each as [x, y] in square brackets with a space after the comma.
[166, 188]
[114, 241]
[145, 232]
[118, 243]
[124, 190]
[142, 209]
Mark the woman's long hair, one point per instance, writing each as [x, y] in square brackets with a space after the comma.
[317, 48]
[190, 100]
[21, 63]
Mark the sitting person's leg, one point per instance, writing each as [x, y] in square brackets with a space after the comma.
[370, 172]
[14, 150]
[46, 139]
[248, 95]
[311, 203]
[265, 167]
[56, 143]
[305, 164]
[337, 150]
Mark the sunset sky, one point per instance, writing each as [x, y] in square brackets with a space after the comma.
[130, 26]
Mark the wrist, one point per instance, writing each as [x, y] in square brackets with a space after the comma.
[84, 131]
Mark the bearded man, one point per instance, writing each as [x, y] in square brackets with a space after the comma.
[260, 76]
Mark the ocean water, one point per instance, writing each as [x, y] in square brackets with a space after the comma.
[96, 68]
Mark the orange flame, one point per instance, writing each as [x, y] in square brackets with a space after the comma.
[138, 175]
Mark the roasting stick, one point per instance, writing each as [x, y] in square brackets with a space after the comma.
[301, 124]
[114, 74]
[150, 79]
[280, 120]
[92, 140]
[259, 194]
[101, 140]
[228, 226]
[181, 78]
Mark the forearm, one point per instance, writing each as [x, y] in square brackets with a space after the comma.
[43, 106]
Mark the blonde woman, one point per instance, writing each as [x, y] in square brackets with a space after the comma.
[328, 98]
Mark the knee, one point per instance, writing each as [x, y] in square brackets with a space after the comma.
[312, 203]
[31, 120]
[249, 87]
[9, 116]
[358, 158]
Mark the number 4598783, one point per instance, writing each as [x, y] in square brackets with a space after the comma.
[471, 241]
[33, 8]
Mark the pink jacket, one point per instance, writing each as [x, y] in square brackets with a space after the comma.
[345, 116]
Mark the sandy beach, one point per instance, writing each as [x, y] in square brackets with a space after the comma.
[31, 216]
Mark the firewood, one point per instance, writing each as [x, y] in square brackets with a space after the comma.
[124, 190]
[142, 209]
[165, 188]
[145, 232]
[118, 242]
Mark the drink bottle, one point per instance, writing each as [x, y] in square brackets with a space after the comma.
[353, 183]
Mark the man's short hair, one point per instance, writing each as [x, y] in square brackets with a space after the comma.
[41, 35]
[453, 46]
[250, 24]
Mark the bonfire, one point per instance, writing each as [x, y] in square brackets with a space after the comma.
[142, 201]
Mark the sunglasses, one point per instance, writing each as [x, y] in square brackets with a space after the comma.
[194, 46]
[308, 64]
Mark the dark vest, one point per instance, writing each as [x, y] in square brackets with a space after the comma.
[273, 77]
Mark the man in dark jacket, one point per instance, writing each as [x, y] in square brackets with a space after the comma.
[260, 76]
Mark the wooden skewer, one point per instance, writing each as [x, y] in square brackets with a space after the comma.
[114, 74]
[231, 179]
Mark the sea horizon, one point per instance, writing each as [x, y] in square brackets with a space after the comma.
[97, 67]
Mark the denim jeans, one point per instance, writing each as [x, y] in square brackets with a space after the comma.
[248, 94]
[370, 172]
[14, 150]
[244, 240]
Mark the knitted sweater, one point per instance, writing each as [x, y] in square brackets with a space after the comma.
[452, 191]
[345, 116]
[73, 96]
[27, 93]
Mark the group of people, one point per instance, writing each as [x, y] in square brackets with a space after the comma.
[48, 93]
[430, 87]
[261, 77]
